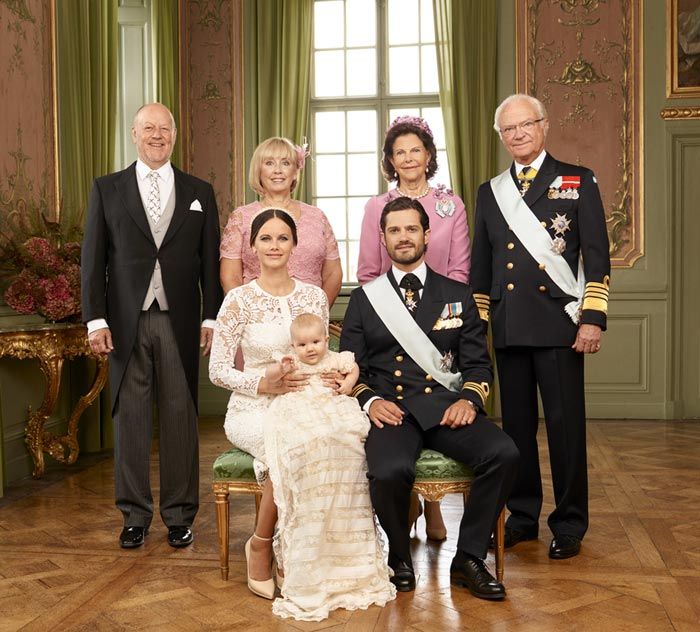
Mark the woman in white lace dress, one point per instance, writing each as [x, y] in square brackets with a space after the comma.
[337, 560]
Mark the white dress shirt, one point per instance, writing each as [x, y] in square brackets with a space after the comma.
[535, 164]
[421, 272]
[166, 182]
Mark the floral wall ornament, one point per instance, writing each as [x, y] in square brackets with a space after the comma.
[28, 134]
[19, 8]
[209, 13]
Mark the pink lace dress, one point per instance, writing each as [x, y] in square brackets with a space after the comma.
[316, 243]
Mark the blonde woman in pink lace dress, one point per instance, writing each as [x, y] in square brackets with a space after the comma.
[274, 172]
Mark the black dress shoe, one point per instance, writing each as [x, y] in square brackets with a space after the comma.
[564, 546]
[512, 537]
[180, 536]
[131, 537]
[404, 579]
[471, 573]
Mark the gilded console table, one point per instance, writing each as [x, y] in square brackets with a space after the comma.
[51, 345]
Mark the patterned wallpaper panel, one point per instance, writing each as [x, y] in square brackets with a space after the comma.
[27, 133]
[583, 60]
[211, 73]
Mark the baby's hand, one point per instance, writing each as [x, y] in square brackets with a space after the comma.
[344, 389]
[346, 385]
[288, 365]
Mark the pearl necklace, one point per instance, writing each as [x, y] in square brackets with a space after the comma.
[415, 197]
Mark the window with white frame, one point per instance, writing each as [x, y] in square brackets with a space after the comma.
[373, 60]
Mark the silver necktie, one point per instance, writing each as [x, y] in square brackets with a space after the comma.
[154, 208]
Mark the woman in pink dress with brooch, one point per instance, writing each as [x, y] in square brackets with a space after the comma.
[410, 160]
[274, 172]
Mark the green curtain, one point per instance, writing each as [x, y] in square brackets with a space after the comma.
[87, 36]
[466, 34]
[466, 37]
[277, 51]
[87, 98]
[165, 31]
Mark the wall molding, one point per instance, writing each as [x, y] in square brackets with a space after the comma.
[680, 113]
[606, 385]
[683, 361]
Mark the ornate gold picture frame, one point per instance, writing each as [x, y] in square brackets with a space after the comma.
[683, 59]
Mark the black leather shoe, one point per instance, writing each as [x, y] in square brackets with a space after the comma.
[473, 575]
[512, 537]
[564, 546]
[131, 537]
[404, 579]
[180, 536]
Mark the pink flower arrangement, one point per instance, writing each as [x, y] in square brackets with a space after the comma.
[49, 282]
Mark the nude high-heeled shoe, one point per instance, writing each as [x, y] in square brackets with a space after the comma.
[263, 588]
[434, 525]
[415, 510]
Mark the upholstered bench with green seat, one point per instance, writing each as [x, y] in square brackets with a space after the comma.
[436, 475]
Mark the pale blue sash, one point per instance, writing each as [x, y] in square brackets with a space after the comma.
[537, 242]
[393, 313]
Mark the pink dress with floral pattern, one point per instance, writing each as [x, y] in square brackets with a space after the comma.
[316, 245]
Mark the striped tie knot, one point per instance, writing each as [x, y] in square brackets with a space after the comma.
[527, 173]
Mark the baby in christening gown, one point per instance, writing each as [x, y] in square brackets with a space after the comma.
[327, 541]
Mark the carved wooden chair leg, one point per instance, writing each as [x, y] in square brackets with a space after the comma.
[222, 525]
[500, 537]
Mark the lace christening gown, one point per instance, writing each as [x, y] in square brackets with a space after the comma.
[326, 538]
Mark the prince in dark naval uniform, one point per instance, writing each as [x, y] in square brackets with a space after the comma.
[540, 272]
[424, 379]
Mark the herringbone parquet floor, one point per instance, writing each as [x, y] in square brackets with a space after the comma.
[61, 568]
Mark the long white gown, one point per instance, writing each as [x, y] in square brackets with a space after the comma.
[327, 539]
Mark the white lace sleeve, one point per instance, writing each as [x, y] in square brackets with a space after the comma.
[313, 300]
[230, 323]
[345, 361]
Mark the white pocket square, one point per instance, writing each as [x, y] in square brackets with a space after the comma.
[195, 206]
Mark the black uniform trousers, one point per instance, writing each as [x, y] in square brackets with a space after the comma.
[155, 371]
[558, 371]
[392, 452]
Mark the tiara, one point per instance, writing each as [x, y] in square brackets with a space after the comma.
[270, 208]
[303, 153]
[414, 121]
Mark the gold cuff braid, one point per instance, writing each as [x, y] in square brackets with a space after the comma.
[359, 388]
[482, 389]
[596, 295]
[483, 304]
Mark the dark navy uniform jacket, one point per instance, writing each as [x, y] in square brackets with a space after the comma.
[387, 371]
[525, 306]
